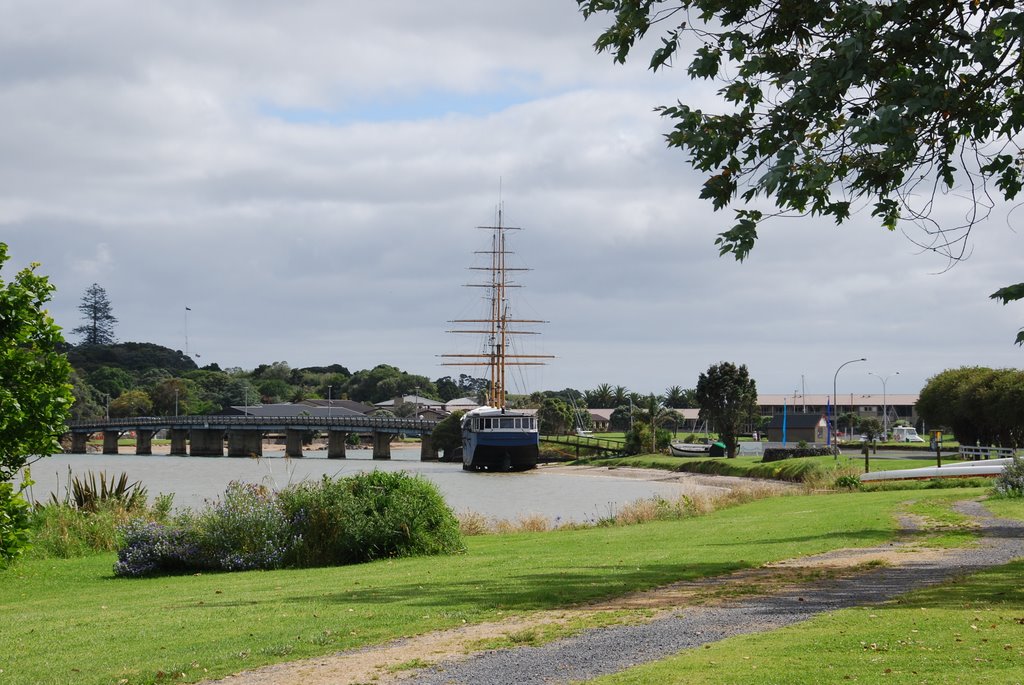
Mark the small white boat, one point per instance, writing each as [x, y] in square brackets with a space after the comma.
[684, 449]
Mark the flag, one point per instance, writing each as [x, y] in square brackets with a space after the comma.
[783, 421]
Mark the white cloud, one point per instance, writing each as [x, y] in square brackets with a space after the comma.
[307, 178]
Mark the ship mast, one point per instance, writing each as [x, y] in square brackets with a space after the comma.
[498, 334]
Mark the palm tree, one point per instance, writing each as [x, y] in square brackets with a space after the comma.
[601, 396]
[652, 410]
[620, 396]
[678, 398]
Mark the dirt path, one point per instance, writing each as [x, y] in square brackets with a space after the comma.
[778, 594]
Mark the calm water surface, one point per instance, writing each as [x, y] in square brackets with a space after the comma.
[193, 480]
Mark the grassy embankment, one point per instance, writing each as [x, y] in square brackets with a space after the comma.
[71, 621]
[971, 631]
[802, 469]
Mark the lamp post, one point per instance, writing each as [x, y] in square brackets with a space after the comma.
[885, 411]
[329, 388]
[835, 398]
[175, 401]
[107, 396]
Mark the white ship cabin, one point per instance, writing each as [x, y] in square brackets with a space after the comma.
[490, 419]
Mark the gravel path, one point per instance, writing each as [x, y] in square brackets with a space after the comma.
[608, 650]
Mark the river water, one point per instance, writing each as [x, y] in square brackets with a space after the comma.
[559, 494]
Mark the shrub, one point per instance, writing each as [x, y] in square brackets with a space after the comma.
[1010, 483]
[848, 482]
[369, 516]
[360, 518]
[64, 531]
[149, 548]
[84, 494]
[780, 453]
[89, 519]
[244, 530]
[14, 523]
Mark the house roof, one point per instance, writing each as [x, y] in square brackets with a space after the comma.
[409, 399]
[346, 404]
[820, 400]
[286, 409]
[462, 402]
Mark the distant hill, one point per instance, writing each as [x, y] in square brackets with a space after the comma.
[130, 356]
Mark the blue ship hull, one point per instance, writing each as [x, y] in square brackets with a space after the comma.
[492, 447]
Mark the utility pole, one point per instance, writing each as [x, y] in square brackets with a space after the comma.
[885, 411]
[835, 398]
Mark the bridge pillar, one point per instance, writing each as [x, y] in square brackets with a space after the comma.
[206, 442]
[79, 441]
[427, 450]
[381, 445]
[336, 444]
[143, 442]
[110, 441]
[245, 443]
[179, 437]
[293, 442]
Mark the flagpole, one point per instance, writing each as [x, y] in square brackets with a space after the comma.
[783, 421]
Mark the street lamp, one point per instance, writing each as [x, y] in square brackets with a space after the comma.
[107, 395]
[329, 388]
[835, 398]
[885, 412]
[175, 401]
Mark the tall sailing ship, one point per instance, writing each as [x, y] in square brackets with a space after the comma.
[494, 437]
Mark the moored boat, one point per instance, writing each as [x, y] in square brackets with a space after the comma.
[683, 449]
[495, 437]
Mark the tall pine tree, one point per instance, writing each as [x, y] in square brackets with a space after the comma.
[98, 328]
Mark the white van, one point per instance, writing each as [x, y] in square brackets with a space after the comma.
[906, 434]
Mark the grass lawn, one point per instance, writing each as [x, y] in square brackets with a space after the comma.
[71, 621]
[965, 632]
[751, 465]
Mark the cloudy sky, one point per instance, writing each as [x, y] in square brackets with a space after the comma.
[306, 177]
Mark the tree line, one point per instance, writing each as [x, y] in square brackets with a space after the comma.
[982, 406]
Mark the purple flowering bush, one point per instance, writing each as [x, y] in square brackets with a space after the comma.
[149, 548]
[245, 530]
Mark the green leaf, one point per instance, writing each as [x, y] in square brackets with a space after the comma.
[1008, 294]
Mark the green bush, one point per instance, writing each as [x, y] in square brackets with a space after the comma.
[246, 529]
[848, 482]
[14, 523]
[369, 516]
[64, 531]
[86, 495]
[329, 522]
[780, 453]
[638, 440]
[1010, 483]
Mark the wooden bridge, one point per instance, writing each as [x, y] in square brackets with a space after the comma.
[205, 435]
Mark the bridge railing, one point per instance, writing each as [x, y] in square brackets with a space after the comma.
[982, 452]
[386, 423]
